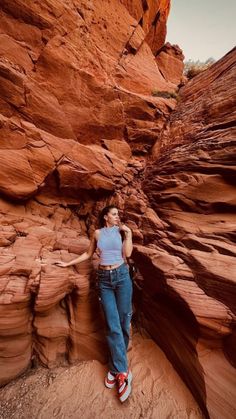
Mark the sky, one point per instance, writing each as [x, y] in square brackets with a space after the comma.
[202, 28]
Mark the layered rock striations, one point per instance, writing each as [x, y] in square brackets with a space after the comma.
[83, 124]
[77, 70]
[190, 183]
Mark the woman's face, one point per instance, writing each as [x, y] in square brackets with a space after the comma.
[112, 218]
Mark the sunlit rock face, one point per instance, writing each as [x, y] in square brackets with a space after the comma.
[82, 70]
[81, 128]
[191, 269]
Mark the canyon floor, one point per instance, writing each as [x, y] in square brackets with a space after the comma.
[78, 391]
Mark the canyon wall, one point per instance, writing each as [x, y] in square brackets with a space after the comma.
[191, 185]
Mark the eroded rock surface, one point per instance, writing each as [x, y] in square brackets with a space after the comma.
[191, 186]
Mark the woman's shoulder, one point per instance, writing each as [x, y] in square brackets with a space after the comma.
[96, 233]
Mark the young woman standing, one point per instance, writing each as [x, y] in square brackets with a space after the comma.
[115, 288]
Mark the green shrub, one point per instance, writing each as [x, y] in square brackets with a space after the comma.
[193, 68]
[164, 93]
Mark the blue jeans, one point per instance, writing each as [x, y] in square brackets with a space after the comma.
[115, 288]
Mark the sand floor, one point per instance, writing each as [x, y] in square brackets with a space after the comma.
[78, 391]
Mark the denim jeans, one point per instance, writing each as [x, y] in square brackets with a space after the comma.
[115, 288]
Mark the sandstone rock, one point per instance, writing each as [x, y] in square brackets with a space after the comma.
[170, 63]
[189, 185]
[119, 148]
[207, 115]
[28, 277]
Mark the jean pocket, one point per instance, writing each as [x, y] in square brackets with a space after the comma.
[124, 272]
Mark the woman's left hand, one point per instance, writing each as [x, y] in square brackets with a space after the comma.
[124, 228]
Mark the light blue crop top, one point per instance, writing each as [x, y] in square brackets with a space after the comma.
[110, 246]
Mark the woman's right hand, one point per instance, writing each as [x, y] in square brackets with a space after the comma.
[60, 264]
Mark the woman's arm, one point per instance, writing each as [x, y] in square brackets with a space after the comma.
[127, 243]
[85, 256]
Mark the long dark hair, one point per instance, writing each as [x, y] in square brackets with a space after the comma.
[101, 220]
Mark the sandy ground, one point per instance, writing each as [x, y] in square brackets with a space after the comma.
[78, 391]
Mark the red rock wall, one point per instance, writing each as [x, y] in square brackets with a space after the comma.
[190, 183]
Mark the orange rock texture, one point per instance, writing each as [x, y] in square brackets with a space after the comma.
[81, 128]
[190, 184]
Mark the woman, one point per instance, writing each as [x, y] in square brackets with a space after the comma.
[115, 288]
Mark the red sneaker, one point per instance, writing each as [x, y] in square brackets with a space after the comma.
[110, 380]
[124, 380]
